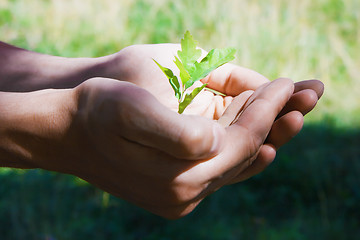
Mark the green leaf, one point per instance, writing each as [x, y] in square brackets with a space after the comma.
[189, 97]
[174, 82]
[214, 59]
[184, 75]
[191, 70]
[189, 54]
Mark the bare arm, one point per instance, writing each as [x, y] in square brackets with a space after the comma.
[33, 125]
[23, 70]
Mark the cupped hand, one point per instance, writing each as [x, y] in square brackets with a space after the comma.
[134, 64]
[132, 146]
[129, 144]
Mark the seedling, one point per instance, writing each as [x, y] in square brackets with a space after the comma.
[192, 71]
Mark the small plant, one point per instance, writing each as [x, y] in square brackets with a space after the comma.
[191, 70]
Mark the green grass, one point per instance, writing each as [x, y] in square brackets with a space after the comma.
[311, 191]
[300, 40]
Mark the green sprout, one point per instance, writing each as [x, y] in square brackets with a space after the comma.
[192, 71]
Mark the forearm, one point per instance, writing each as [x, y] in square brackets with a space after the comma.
[31, 126]
[22, 70]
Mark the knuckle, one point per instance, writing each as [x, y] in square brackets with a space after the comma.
[197, 140]
[191, 141]
[311, 98]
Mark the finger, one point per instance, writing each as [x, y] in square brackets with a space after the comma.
[285, 128]
[306, 95]
[246, 135]
[259, 115]
[138, 116]
[315, 85]
[265, 157]
[282, 131]
[303, 101]
[233, 80]
[235, 108]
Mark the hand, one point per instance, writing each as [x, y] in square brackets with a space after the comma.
[134, 64]
[166, 162]
[120, 138]
[127, 143]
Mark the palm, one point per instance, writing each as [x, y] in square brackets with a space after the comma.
[135, 65]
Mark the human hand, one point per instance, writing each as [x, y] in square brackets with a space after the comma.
[134, 64]
[166, 162]
[121, 139]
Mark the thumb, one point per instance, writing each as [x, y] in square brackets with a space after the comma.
[247, 133]
[261, 110]
[144, 120]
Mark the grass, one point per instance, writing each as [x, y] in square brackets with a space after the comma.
[300, 40]
[307, 193]
[310, 192]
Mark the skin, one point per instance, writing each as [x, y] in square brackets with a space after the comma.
[112, 121]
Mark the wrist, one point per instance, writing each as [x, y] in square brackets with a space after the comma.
[60, 72]
[22, 70]
[33, 127]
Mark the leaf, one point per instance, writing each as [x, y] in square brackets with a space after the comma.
[174, 82]
[184, 75]
[189, 97]
[191, 70]
[214, 59]
[189, 54]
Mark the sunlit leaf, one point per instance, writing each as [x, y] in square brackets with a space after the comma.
[184, 75]
[189, 54]
[191, 70]
[189, 97]
[214, 59]
[174, 82]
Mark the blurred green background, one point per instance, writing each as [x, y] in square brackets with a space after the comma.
[311, 191]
